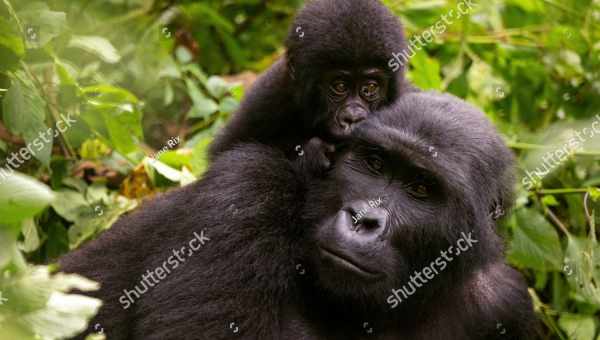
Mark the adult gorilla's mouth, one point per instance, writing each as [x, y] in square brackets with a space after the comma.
[345, 261]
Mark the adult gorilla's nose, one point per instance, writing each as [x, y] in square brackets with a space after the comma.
[367, 221]
[352, 242]
[351, 115]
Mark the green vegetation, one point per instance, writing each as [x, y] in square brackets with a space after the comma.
[118, 81]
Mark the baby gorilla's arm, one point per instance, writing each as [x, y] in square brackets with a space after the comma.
[313, 158]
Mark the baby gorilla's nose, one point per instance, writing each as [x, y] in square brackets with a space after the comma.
[351, 115]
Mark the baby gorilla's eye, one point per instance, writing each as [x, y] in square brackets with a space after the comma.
[339, 87]
[370, 90]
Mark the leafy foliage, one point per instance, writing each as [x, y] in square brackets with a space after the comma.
[106, 102]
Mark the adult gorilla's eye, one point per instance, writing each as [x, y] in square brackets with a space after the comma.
[421, 187]
[375, 163]
[339, 87]
[419, 190]
[370, 90]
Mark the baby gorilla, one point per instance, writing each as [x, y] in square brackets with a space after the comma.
[334, 74]
[282, 255]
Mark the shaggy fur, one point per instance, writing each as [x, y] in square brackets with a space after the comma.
[262, 276]
[284, 107]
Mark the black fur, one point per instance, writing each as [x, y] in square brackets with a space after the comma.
[262, 274]
[283, 108]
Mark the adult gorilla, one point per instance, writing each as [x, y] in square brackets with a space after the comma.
[334, 74]
[337, 266]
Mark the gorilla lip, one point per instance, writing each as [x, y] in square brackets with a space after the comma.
[348, 263]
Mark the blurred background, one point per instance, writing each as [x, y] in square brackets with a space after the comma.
[124, 82]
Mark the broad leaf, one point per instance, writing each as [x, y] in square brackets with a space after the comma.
[535, 243]
[22, 197]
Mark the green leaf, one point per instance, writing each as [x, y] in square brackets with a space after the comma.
[22, 197]
[98, 218]
[535, 243]
[583, 269]
[113, 113]
[31, 237]
[69, 204]
[578, 327]
[171, 174]
[550, 200]
[425, 71]
[41, 24]
[217, 87]
[24, 115]
[37, 304]
[199, 159]
[98, 46]
[69, 89]
[203, 106]
[228, 105]
[108, 94]
[12, 48]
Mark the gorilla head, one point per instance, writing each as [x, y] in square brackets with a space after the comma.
[412, 180]
[337, 54]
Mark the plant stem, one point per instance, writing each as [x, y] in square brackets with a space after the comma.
[529, 146]
[556, 221]
[561, 191]
[12, 13]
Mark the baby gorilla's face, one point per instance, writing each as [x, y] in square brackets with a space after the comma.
[400, 191]
[350, 96]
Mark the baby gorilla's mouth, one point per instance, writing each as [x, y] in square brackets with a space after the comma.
[347, 262]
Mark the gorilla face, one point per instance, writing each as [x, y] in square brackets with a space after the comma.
[339, 63]
[350, 96]
[412, 178]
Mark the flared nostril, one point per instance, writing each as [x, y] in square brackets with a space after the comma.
[370, 223]
[366, 217]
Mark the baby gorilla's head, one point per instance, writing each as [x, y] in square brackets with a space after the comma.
[413, 180]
